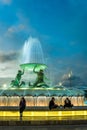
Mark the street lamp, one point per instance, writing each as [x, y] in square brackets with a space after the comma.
[60, 83]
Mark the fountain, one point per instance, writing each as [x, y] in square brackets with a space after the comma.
[32, 60]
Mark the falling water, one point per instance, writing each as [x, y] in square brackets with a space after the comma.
[32, 51]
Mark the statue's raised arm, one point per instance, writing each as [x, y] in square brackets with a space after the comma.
[34, 69]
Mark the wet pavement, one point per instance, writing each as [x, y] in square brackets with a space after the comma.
[47, 127]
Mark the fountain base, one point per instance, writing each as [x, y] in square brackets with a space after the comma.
[38, 96]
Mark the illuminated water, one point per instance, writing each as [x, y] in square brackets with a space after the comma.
[32, 51]
[39, 100]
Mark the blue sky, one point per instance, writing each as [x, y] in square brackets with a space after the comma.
[60, 25]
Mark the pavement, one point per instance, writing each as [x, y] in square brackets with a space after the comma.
[45, 127]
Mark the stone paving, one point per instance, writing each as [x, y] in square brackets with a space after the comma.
[45, 127]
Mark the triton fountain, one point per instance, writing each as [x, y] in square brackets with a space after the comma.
[32, 60]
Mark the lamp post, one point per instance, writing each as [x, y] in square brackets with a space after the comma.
[60, 83]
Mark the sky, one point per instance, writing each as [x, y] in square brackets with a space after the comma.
[59, 25]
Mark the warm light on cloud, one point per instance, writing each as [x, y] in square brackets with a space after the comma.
[15, 29]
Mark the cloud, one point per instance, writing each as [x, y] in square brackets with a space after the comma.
[22, 27]
[5, 2]
[17, 28]
[75, 81]
[10, 56]
[8, 69]
[17, 33]
[9, 64]
[61, 66]
[24, 21]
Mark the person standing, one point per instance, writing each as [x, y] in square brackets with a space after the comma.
[22, 106]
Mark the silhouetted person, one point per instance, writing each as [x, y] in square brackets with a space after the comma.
[22, 106]
[52, 103]
[67, 103]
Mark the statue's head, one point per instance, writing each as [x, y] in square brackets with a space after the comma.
[41, 70]
[53, 98]
[19, 71]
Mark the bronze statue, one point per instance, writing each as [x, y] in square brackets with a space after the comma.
[40, 76]
[17, 82]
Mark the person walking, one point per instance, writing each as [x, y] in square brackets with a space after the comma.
[22, 106]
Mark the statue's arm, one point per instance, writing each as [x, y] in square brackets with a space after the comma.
[34, 69]
[23, 72]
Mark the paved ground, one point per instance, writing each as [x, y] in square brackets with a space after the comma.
[66, 123]
[47, 127]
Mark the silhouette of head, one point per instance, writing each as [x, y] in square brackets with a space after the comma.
[22, 98]
[67, 98]
[53, 98]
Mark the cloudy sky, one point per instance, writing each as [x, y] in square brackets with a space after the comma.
[59, 25]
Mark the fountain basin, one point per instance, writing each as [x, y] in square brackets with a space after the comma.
[31, 66]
